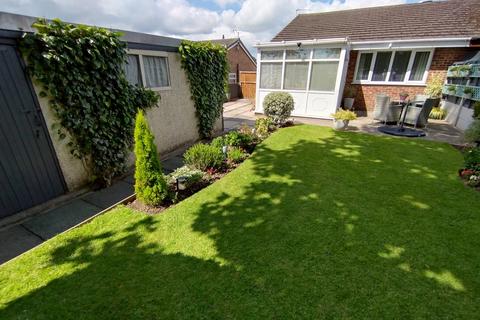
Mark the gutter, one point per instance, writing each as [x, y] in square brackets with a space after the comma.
[302, 42]
[379, 44]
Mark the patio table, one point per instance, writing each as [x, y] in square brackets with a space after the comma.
[400, 130]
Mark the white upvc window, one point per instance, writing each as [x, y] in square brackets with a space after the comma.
[148, 69]
[393, 67]
[305, 69]
[232, 78]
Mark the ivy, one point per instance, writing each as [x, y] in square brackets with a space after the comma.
[80, 69]
[206, 68]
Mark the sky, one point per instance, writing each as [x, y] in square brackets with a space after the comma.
[253, 20]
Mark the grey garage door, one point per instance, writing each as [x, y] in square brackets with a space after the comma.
[29, 171]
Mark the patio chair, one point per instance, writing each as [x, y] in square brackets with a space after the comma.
[418, 115]
[385, 111]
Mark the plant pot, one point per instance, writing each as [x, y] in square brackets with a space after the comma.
[348, 103]
[467, 95]
[340, 124]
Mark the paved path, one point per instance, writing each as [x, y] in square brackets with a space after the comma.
[237, 112]
[18, 238]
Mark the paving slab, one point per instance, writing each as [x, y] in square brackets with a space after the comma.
[170, 164]
[109, 196]
[53, 222]
[16, 240]
[129, 179]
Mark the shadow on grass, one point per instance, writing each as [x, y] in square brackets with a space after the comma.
[334, 225]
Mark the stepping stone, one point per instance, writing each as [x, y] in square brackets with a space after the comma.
[16, 240]
[55, 221]
[109, 196]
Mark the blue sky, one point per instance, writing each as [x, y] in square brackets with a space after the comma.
[254, 20]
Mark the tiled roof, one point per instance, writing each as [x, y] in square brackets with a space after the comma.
[436, 19]
[226, 42]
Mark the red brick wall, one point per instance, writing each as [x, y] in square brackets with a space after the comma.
[365, 99]
[239, 60]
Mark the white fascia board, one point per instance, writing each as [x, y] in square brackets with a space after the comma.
[282, 44]
[411, 44]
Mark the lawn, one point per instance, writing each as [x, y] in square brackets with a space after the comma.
[316, 224]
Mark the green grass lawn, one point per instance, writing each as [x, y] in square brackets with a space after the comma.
[316, 224]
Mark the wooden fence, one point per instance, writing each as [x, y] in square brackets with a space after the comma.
[248, 84]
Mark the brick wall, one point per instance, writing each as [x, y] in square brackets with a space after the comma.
[365, 99]
[238, 60]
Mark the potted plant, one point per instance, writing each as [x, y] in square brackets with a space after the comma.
[467, 92]
[463, 70]
[403, 96]
[434, 87]
[451, 89]
[341, 118]
[349, 97]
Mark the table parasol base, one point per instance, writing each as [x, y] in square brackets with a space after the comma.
[404, 132]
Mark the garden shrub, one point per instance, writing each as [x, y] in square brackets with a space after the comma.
[437, 113]
[476, 110]
[238, 139]
[263, 126]
[233, 138]
[278, 106]
[218, 142]
[203, 156]
[472, 159]
[206, 67]
[191, 176]
[236, 155]
[150, 185]
[80, 69]
[434, 87]
[472, 134]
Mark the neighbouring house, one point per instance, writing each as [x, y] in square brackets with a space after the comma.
[239, 60]
[388, 49]
[35, 165]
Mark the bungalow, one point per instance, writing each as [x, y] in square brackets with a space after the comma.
[388, 49]
[35, 166]
[239, 59]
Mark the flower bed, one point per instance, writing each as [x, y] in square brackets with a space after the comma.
[470, 173]
[206, 163]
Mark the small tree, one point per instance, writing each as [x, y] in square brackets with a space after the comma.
[150, 185]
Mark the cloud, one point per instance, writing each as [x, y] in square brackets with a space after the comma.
[255, 20]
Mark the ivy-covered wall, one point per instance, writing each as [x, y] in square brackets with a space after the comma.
[173, 123]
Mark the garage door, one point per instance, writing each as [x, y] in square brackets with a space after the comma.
[29, 172]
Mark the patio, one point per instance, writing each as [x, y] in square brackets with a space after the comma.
[242, 111]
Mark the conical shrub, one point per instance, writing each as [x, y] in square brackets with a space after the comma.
[150, 185]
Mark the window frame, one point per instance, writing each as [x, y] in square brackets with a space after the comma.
[406, 81]
[309, 59]
[230, 78]
[148, 53]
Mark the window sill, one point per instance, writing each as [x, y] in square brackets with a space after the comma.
[386, 83]
[160, 88]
